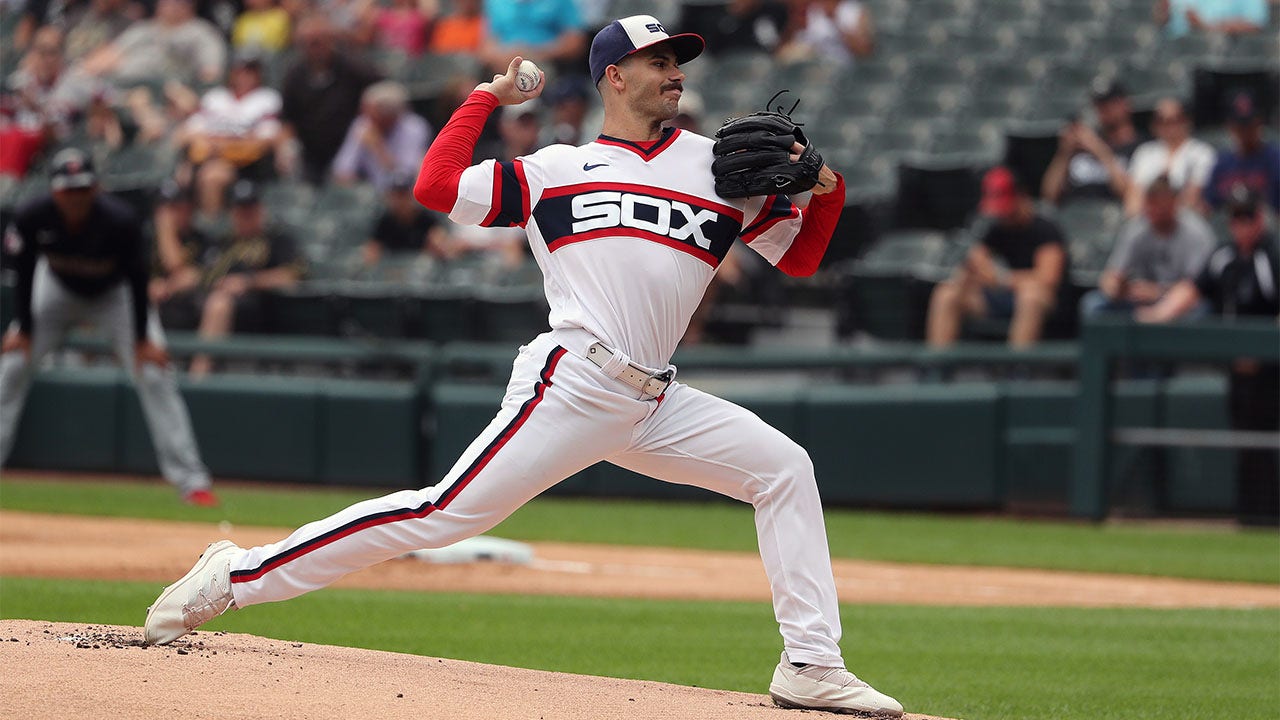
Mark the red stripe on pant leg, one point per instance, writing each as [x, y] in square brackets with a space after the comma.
[539, 391]
[361, 524]
[244, 576]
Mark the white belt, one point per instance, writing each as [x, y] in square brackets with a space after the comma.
[650, 385]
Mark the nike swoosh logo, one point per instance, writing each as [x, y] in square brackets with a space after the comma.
[589, 167]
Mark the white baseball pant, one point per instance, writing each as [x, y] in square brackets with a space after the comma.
[561, 414]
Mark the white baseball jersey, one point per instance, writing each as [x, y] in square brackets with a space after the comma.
[627, 238]
[256, 114]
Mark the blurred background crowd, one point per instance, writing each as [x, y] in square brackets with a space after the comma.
[1012, 164]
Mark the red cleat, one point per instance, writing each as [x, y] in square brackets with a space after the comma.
[201, 498]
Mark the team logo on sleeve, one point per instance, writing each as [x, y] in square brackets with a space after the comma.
[577, 213]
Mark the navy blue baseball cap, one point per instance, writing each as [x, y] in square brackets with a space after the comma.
[72, 170]
[622, 37]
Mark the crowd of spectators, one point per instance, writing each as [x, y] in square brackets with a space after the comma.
[306, 91]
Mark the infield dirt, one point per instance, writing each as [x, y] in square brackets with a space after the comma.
[103, 671]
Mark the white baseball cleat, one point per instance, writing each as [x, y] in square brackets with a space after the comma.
[201, 595]
[832, 689]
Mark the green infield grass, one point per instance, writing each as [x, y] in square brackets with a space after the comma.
[1214, 553]
[973, 663]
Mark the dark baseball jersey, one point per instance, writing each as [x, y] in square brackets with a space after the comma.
[108, 250]
[1242, 285]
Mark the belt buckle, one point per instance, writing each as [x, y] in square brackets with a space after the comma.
[663, 377]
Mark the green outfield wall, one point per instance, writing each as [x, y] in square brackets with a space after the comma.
[956, 445]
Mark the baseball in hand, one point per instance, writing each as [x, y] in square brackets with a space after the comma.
[527, 76]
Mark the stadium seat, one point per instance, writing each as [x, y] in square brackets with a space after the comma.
[937, 193]
[427, 75]
[301, 312]
[292, 202]
[1261, 49]
[376, 314]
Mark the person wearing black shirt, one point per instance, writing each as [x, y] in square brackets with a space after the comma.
[1241, 279]
[239, 269]
[179, 242]
[737, 25]
[321, 96]
[1013, 272]
[405, 226]
[1094, 163]
[81, 257]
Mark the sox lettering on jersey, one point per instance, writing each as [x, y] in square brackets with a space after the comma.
[613, 209]
[576, 213]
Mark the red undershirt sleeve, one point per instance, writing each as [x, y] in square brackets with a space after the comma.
[810, 244]
[450, 153]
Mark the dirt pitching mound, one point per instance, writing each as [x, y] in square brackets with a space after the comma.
[66, 670]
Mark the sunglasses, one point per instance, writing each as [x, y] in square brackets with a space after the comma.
[1243, 215]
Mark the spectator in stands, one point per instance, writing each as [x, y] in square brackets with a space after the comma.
[689, 116]
[544, 31]
[405, 226]
[1230, 17]
[386, 139]
[737, 25]
[461, 31]
[404, 25]
[835, 31]
[569, 98]
[179, 242]
[101, 22]
[234, 133]
[43, 100]
[174, 44]
[1165, 246]
[157, 117]
[1174, 152]
[1252, 162]
[1241, 278]
[322, 96]
[519, 128]
[236, 272]
[263, 25]
[1022, 286]
[1094, 163]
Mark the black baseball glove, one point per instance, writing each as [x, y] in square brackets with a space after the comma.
[752, 157]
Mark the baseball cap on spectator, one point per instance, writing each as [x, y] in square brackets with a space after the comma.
[622, 37]
[72, 170]
[1243, 109]
[244, 192]
[1106, 88]
[565, 89]
[249, 56]
[1242, 201]
[1000, 191]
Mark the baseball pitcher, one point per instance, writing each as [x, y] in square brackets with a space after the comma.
[628, 230]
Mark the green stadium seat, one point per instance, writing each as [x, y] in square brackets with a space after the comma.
[301, 312]
[428, 75]
[379, 315]
[443, 316]
[290, 201]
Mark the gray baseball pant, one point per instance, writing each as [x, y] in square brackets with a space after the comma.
[55, 310]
